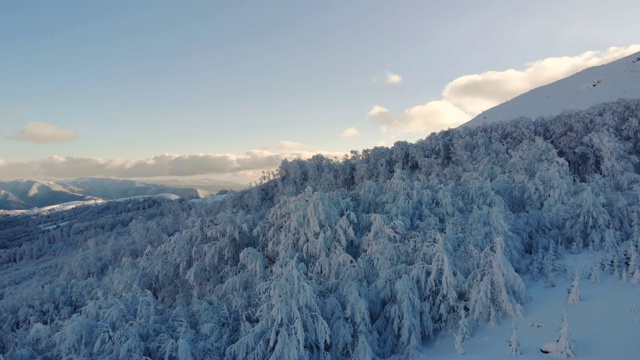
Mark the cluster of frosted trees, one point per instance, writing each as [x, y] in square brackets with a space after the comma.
[363, 257]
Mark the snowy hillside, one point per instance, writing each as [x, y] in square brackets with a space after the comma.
[422, 250]
[29, 194]
[26, 194]
[617, 80]
[119, 189]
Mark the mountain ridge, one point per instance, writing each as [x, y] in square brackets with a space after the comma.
[29, 194]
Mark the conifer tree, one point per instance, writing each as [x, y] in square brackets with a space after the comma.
[635, 280]
[565, 347]
[594, 277]
[496, 289]
[514, 343]
[463, 325]
[457, 343]
[574, 292]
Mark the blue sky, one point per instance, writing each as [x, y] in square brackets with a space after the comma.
[228, 88]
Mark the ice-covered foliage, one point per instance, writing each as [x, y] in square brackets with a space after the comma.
[514, 343]
[562, 347]
[574, 292]
[369, 256]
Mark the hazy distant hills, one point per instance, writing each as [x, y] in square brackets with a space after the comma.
[27, 194]
[619, 79]
[118, 189]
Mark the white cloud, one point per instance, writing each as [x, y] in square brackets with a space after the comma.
[424, 119]
[479, 92]
[42, 133]
[393, 79]
[469, 95]
[349, 133]
[286, 144]
[163, 165]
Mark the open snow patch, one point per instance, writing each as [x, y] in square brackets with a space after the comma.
[604, 325]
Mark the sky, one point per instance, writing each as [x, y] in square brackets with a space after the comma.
[227, 89]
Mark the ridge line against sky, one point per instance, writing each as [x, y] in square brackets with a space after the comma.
[230, 90]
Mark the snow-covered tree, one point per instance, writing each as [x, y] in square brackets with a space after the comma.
[594, 276]
[590, 222]
[496, 290]
[635, 280]
[563, 346]
[457, 343]
[514, 343]
[464, 328]
[574, 291]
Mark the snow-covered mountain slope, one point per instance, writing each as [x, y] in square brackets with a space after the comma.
[619, 79]
[26, 194]
[118, 189]
[10, 202]
[30, 194]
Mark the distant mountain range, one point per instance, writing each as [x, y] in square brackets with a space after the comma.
[619, 79]
[28, 194]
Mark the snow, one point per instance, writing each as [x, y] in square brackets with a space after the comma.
[617, 80]
[604, 325]
[73, 204]
[210, 199]
[165, 196]
[47, 209]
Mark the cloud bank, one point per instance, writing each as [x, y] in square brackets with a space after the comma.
[42, 133]
[469, 95]
[163, 165]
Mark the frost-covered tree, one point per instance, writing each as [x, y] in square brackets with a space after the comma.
[438, 280]
[290, 325]
[594, 276]
[635, 280]
[548, 265]
[464, 328]
[574, 291]
[457, 343]
[563, 346]
[495, 289]
[588, 226]
[514, 342]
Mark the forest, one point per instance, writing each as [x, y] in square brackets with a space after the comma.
[368, 256]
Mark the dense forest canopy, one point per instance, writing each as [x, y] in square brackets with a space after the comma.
[368, 256]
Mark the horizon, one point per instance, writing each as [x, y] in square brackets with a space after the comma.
[130, 91]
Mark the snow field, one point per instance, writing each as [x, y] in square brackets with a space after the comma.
[605, 324]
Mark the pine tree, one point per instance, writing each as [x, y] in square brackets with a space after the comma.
[514, 343]
[547, 266]
[635, 280]
[496, 289]
[457, 343]
[574, 292]
[594, 277]
[561, 347]
[463, 325]
[632, 254]
[565, 347]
